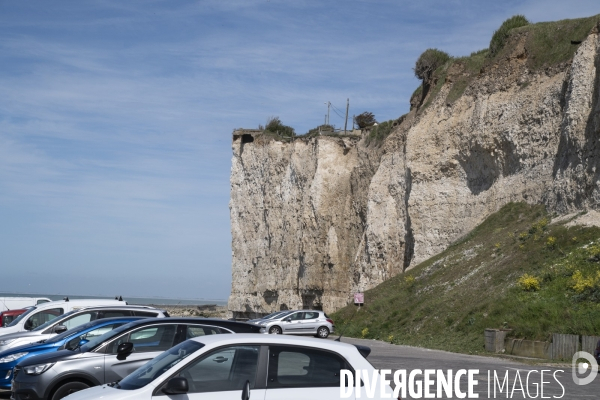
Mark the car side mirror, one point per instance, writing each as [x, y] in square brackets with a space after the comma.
[287, 320]
[82, 342]
[28, 325]
[124, 350]
[59, 329]
[177, 385]
[246, 391]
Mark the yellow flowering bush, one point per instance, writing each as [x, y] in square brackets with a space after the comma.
[529, 283]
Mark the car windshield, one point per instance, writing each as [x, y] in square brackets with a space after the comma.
[283, 314]
[158, 366]
[71, 332]
[52, 321]
[276, 314]
[20, 317]
[92, 344]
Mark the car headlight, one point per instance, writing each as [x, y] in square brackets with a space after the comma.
[13, 357]
[7, 341]
[37, 369]
[262, 323]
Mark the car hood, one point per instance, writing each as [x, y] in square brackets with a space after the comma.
[104, 392]
[30, 348]
[18, 335]
[55, 356]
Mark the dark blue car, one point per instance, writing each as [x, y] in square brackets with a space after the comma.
[69, 340]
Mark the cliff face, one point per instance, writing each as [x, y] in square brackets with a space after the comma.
[317, 219]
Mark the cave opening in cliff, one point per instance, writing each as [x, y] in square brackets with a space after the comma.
[247, 138]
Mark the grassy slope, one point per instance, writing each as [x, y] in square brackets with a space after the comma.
[447, 301]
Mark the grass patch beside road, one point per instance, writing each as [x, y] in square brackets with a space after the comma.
[516, 271]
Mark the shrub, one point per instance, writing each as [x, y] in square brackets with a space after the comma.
[428, 62]
[274, 125]
[380, 132]
[529, 283]
[580, 283]
[364, 333]
[551, 242]
[365, 119]
[499, 38]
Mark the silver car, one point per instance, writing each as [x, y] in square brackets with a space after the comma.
[304, 322]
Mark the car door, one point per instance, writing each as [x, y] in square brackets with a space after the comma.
[295, 323]
[299, 373]
[148, 342]
[220, 374]
[310, 322]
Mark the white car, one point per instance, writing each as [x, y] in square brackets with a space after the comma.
[231, 366]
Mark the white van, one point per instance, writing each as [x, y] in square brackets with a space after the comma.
[16, 303]
[42, 313]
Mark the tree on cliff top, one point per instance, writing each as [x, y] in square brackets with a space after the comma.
[428, 62]
[499, 38]
[274, 125]
[365, 119]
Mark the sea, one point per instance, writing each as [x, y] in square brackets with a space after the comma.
[130, 300]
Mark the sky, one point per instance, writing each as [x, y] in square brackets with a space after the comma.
[116, 120]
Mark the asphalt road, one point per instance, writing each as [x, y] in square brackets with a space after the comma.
[387, 356]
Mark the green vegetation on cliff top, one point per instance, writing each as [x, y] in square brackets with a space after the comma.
[517, 270]
[546, 44]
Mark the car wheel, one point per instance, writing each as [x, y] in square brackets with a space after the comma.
[275, 330]
[323, 332]
[68, 388]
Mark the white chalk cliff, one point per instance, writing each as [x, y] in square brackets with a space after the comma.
[315, 220]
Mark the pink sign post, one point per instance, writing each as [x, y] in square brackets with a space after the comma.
[359, 298]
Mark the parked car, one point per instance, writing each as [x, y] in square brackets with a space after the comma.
[270, 316]
[112, 356]
[6, 317]
[75, 318]
[13, 303]
[228, 367]
[305, 322]
[67, 340]
[44, 312]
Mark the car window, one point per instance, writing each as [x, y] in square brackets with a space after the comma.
[73, 343]
[147, 339]
[311, 315]
[22, 316]
[221, 370]
[296, 316]
[42, 317]
[116, 313]
[79, 319]
[291, 367]
[194, 331]
[145, 314]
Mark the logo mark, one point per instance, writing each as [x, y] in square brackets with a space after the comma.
[581, 368]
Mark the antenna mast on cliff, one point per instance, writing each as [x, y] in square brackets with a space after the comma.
[346, 123]
[327, 118]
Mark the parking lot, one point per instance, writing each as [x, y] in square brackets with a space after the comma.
[387, 356]
[395, 357]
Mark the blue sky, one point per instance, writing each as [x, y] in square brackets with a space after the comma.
[116, 118]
